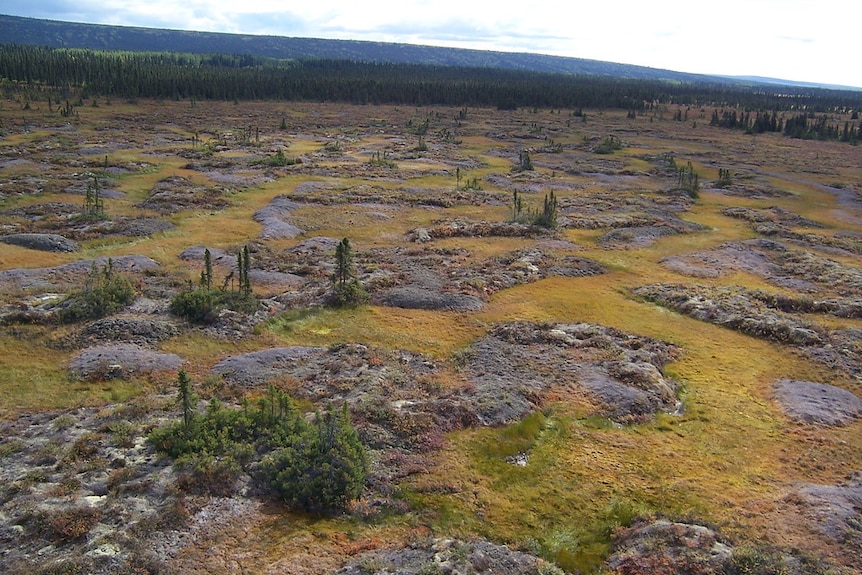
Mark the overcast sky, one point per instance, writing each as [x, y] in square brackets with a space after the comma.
[799, 40]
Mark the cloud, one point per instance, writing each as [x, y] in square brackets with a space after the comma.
[746, 37]
[796, 40]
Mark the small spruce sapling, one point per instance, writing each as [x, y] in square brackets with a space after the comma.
[347, 289]
[187, 399]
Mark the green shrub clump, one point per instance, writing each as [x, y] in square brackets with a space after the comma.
[609, 145]
[315, 466]
[325, 467]
[104, 293]
[202, 305]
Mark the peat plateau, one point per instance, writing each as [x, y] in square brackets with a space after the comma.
[567, 357]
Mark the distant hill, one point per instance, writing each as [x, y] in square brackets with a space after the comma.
[31, 31]
[779, 82]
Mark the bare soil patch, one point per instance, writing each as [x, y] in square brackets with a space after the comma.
[176, 194]
[69, 275]
[41, 242]
[817, 403]
[121, 360]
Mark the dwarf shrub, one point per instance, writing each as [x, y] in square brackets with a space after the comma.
[104, 293]
[314, 466]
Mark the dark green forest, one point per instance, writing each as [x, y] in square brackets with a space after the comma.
[38, 73]
[804, 125]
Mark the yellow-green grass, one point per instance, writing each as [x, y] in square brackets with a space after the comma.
[729, 458]
[12, 257]
[436, 334]
[34, 377]
[727, 454]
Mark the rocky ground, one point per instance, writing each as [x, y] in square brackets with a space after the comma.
[784, 319]
[774, 261]
[82, 490]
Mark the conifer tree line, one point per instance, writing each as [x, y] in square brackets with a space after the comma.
[806, 126]
[55, 75]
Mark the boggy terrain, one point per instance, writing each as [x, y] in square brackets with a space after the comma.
[569, 357]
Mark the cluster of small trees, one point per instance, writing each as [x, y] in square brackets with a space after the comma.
[809, 127]
[609, 145]
[469, 184]
[806, 126]
[688, 180]
[724, 178]
[546, 218]
[280, 160]
[94, 204]
[754, 124]
[202, 303]
[379, 160]
[525, 163]
[314, 465]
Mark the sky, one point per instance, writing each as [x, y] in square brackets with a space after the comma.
[799, 40]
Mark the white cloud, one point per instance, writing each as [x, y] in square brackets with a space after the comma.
[789, 39]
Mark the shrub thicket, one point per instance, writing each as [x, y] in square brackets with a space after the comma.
[547, 218]
[202, 305]
[609, 145]
[325, 467]
[315, 466]
[104, 293]
[688, 180]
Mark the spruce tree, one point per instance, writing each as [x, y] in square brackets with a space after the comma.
[347, 291]
[207, 273]
[243, 268]
[186, 398]
[343, 263]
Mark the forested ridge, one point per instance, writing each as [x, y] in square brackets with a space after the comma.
[41, 72]
[56, 34]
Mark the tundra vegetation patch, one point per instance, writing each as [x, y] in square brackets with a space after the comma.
[544, 340]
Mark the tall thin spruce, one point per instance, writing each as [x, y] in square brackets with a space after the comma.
[186, 398]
